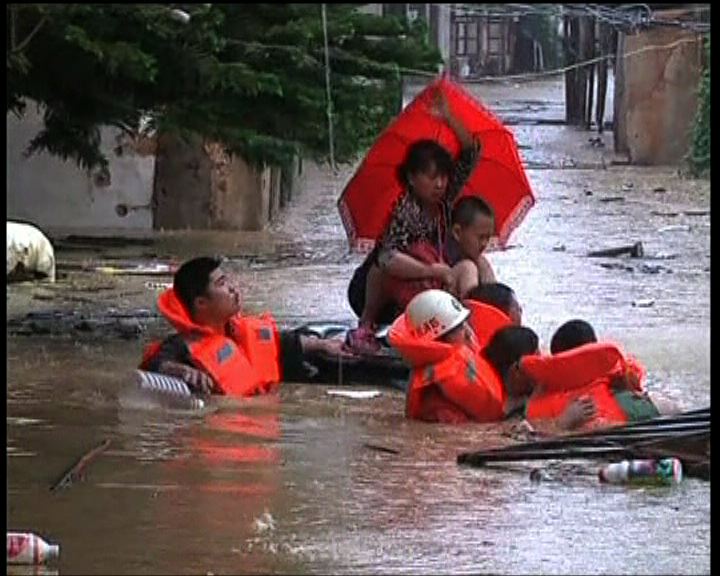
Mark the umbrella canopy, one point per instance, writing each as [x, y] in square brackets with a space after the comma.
[367, 201]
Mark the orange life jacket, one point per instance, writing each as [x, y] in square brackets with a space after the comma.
[485, 320]
[589, 370]
[243, 362]
[448, 383]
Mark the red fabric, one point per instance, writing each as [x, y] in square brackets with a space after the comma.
[416, 352]
[574, 368]
[367, 201]
[450, 383]
[485, 320]
[464, 382]
[590, 370]
[151, 350]
[400, 290]
[245, 364]
[260, 339]
[550, 405]
[429, 405]
[631, 372]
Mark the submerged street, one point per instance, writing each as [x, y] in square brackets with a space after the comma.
[287, 484]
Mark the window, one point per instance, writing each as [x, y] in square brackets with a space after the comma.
[460, 38]
[472, 38]
[495, 38]
[466, 38]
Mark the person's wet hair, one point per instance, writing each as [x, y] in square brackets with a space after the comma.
[421, 156]
[496, 294]
[192, 279]
[572, 334]
[468, 208]
[508, 345]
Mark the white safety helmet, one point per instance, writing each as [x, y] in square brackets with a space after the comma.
[433, 313]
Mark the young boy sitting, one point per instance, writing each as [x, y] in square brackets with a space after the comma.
[472, 227]
[215, 349]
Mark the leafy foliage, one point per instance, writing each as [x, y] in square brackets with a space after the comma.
[699, 157]
[251, 76]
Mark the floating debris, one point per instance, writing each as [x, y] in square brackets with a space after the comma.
[381, 448]
[651, 268]
[675, 228]
[158, 285]
[538, 475]
[617, 266]
[355, 394]
[264, 523]
[662, 256]
[28, 548]
[635, 250]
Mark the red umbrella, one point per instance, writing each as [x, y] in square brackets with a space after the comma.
[367, 201]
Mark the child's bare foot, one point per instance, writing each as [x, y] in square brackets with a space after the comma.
[362, 340]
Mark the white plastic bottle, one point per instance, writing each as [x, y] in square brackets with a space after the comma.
[174, 391]
[27, 548]
[664, 471]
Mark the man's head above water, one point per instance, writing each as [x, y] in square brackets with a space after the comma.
[210, 295]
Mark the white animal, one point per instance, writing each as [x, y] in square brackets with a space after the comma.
[29, 251]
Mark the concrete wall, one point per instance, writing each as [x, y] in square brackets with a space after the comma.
[163, 183]
[656, 94]
[56, 195]
[182, 184]
[198, 185]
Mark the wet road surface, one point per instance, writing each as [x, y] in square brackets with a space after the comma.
[288, 485]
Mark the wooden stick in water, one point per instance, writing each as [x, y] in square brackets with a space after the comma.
[537, 452]
[76, 471]
[621, 436]
[379, 448]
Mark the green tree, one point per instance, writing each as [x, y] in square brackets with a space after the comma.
[699, 157]
[251, 76]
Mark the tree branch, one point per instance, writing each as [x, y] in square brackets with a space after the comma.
[30, 36]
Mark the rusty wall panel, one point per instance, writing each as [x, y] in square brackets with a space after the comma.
[659, 94]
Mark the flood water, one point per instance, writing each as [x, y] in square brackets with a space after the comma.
[287, 483]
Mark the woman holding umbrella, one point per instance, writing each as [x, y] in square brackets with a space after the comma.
[409, 257]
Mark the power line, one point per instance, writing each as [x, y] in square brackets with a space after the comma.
[558, 71]
[626, 18]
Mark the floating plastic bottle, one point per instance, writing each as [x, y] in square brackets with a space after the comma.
[173, 390]
[664, 471]
[27, 548]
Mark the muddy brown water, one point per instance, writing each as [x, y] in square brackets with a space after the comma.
[286, 484]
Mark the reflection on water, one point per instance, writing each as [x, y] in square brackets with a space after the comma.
[287, 485]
